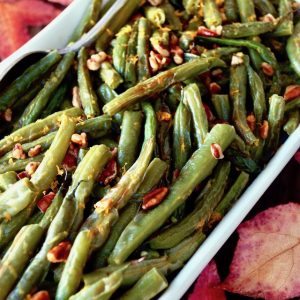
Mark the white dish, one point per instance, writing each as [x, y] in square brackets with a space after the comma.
[56, 35]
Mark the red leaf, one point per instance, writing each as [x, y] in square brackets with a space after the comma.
[62, 2]
[206, 285]
[15, 18]
[267, 258]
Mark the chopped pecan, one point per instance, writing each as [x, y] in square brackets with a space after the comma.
[251, 121]
[267, 69]
[177, 53]
[45, 202]
[204, 31]
[214, 88]
[216, 151]
[59, 253]
[163, 116]
[155, 2]
[70, 160]
[7, 115]
[22, 175]
[31, 167]
[80, 139]
[264, 130]
[291, 92]
[36, 150]
[40, 295]
[76, 101]
[109, 173]
[154, 197]
[94, 62]
[237, 59]
[18, 152]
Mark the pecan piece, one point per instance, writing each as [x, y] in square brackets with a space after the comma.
[291, 92]
[45, 202]
[59, 253]
[216, 151]
[40, 295]
[154, 197]
[109, 173]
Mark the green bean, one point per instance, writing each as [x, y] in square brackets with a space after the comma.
[120, 47]
[25, 81]
[26, 98]
[36, 130]
[199, 216]
[138, 230]
[160, 38]
[285, 27]
[88, 170]
[155, 15]
[108, 143]
[130, 75]
[106, 209]
[35, 218]
[222, 106]
[52, 210]
[7, 179]
[68, 283]
[247, 14]
[56, 100]
[153, 174]
[160, 82]
[174, 96]
[292, 123]
[116, 23]
[66, 104]
[57, 232]
[20, 194]
[102, 289]
[172, 18]
[95, 128]
[232, 195]
[192, 99]
[220, 52]
[293, 50]
[212, 16]
[126, 215]
[257, 93]
[231, 10]
[293, 104]
[186, 248]
[81, 154]
[181, 136]
[129, 139]
[87, 95]
[263, 51]
[241, 30]
[238, 83]
[265, 7]
[109, 75]
[14, 261]
[18, 165]
[192, 7]
[148, 286]
[275, 120]
[89, 19]
[143, 67]
[242, 161]
[9, 228]
[34, 110]
[47, 170]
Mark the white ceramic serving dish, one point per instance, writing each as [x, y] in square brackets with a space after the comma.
[56, 35]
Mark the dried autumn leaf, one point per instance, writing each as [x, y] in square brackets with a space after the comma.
[15, 19]
[206, 287]
[266, 261]
[62, 2]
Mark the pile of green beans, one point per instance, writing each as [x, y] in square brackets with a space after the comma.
[117, 161]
